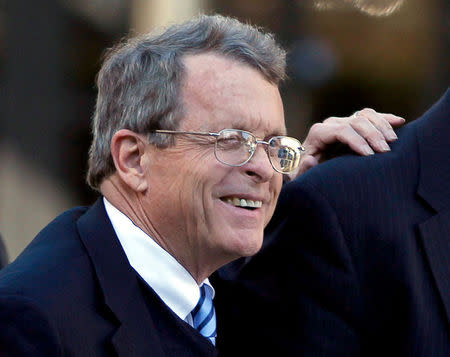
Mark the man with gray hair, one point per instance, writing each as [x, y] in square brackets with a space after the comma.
[188, 154]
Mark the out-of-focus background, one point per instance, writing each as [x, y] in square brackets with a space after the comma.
[391, 55]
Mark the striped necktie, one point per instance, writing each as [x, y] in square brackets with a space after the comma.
[204, 315]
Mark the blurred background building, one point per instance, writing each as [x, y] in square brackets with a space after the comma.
[391, 55]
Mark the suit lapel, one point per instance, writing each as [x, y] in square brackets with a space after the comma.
[135, 335]
[433, 134]
[436, 240]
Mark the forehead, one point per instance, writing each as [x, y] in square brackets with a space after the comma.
[222, 93]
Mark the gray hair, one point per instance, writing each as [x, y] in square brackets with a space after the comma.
[140, 81]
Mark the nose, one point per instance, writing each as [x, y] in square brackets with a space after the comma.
[259, 166]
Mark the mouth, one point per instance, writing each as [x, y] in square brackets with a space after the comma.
[242, 202]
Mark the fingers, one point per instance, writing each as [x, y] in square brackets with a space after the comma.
[381, 121]
[375, 128]
[377, 132]
[357, 142]
[331, 131]
[365, 132]
[394, 120]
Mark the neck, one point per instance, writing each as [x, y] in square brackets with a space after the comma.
[182, 247]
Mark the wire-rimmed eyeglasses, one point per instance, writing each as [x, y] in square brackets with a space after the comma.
[234, 147]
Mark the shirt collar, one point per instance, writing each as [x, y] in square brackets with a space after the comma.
[167, 277]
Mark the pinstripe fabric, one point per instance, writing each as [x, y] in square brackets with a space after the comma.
[357, 255]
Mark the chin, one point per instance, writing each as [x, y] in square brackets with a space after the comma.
[251, 252]
[247, 247]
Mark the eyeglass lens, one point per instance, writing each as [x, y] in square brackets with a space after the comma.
[284, 153]
[235, 147]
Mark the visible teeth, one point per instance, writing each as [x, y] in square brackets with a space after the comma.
[242, 202]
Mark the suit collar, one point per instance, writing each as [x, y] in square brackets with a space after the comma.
[433, 132]
[122, 294]
[160, 270]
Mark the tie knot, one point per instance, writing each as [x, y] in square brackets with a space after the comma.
[203, 314]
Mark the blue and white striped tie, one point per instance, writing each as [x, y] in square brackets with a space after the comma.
[204, 315]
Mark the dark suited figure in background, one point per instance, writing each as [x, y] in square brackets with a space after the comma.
[3, 254]
[188, 153]
[356, 261]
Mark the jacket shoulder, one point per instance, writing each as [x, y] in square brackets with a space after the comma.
[353, 170]
[47, 260]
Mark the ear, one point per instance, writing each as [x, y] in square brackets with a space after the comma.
[128, 152]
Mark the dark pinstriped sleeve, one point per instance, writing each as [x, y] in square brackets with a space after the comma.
[321, 282]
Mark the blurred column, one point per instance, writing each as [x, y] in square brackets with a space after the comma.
[439, 70]
[29, 199]
[35, 113]
[145, 15]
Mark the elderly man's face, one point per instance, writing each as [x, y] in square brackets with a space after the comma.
[191, 190]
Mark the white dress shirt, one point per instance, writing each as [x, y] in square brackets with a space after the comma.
[166, 276]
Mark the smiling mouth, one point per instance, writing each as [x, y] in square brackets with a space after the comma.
[242, 202]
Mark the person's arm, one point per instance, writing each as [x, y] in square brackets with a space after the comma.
[365, 132]
[300, 295]
[319, 284]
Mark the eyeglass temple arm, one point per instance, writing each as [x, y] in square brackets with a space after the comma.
[301, 147]
[161, 131]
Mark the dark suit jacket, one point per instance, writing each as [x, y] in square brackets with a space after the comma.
[72, 292]
[356, 261]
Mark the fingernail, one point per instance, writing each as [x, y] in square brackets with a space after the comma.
[391, 136]
[367, 150]
[383, 145]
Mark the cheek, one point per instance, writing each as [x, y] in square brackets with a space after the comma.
[195, 192]
[276, 186]
[198, 204]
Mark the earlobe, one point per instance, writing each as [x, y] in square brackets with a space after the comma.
[128, 153]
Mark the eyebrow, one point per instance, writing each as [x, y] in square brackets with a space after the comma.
[282, 132]
[276, 132]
